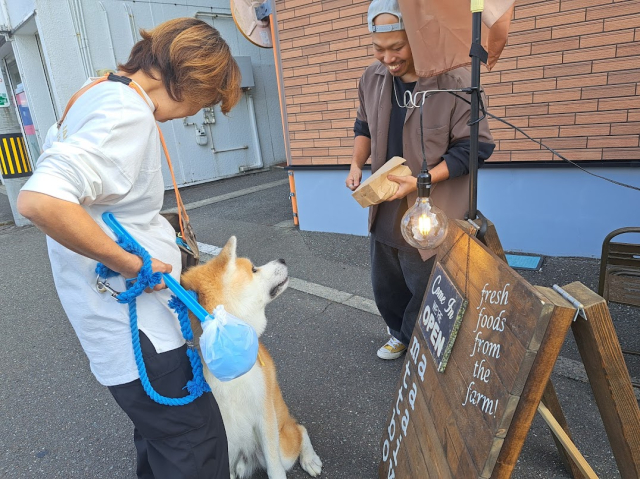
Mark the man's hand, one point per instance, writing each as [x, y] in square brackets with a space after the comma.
[354, 177]
[406, 185]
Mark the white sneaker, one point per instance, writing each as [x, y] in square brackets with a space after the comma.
[393, 349]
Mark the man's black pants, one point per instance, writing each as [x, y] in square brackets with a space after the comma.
[173, 442]
[399, 280]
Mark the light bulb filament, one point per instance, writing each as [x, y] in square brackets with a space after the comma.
[424, 224]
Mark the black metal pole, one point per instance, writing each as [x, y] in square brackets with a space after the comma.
[473, 120]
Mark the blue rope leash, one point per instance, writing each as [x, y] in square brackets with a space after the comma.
[148, 279]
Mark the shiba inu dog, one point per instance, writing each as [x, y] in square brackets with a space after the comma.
[260, 431]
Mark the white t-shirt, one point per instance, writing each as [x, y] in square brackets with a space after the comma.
[106, 157]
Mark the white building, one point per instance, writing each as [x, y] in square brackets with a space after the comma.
[50, 47]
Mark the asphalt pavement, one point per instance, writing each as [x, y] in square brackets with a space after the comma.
[56, 421]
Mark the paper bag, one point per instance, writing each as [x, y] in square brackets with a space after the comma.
[377, 188]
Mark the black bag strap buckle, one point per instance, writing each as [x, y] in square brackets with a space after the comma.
[118, 78]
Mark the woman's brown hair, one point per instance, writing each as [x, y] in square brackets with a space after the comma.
[192, 59]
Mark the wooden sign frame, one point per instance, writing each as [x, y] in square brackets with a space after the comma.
[432, 433]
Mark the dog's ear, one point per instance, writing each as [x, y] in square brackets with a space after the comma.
[228, 253]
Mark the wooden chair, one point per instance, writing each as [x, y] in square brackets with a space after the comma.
[620, 271]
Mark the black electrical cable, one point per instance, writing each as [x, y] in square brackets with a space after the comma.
[562, 157]
[550, 149]
[485, 112]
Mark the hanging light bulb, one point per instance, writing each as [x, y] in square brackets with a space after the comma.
[424, 225]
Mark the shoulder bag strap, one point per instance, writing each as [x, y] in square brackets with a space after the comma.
[77, 95]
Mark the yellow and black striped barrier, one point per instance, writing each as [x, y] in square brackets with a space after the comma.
[14, 162]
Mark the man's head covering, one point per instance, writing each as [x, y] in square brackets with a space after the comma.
[378, 7]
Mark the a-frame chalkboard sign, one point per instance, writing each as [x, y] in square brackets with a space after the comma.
[469, 418]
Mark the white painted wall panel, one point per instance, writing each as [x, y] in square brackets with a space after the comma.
[61, 51]
[19, 10]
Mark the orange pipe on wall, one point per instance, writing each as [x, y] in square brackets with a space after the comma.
[283, 114]
[292, 195]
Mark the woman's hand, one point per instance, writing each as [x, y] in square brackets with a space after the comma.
[354, 177]
[159, 267]
[406, 185]
[131, 271]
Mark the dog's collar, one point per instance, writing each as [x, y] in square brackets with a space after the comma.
[260, 359]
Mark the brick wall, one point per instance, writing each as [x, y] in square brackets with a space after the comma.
[325, 47]
[568, 76]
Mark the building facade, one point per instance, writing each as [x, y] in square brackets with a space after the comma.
[568, 77]
[51, 47]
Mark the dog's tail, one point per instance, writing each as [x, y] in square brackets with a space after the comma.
[294, 439]
[291, 440]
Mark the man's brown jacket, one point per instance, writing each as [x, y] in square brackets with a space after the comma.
[445, 123]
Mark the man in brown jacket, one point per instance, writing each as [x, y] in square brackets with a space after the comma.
[385, 128]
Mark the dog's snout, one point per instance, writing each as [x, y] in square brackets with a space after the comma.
[282, 261]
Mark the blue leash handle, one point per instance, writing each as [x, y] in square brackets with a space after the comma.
[175, 287]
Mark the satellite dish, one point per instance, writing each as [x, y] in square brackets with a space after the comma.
[253, 19]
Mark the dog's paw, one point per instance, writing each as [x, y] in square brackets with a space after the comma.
[312, 464]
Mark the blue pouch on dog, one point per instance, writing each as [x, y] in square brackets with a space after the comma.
[229, 346]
